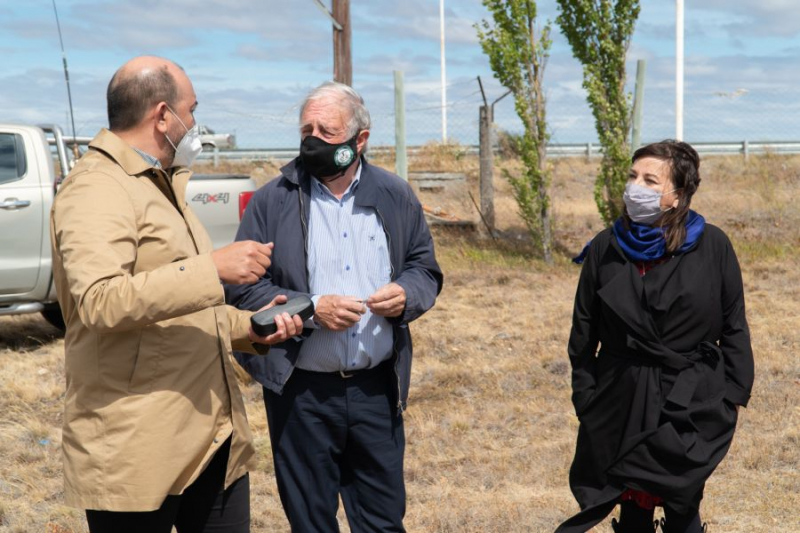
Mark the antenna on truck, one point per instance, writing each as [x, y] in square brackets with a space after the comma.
[66, 77]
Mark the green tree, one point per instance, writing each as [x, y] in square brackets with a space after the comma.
[518, 52]
[599, 32]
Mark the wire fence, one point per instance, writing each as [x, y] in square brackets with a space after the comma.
[756, 114]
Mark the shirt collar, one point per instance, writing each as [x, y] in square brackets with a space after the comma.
[149, 159]
[120, 151]
[351, 189]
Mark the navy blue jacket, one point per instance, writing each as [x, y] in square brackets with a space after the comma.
[279, 213]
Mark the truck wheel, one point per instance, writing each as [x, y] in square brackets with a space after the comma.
[52, 314]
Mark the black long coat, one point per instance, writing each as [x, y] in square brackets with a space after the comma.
[657, 403]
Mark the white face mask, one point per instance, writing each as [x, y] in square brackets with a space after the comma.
[189, 147]
[643, 203]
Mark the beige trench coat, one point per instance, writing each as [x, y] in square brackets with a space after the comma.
[151, 392]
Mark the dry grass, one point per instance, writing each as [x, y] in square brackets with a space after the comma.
[490, 429]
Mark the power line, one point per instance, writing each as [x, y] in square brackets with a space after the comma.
[449, 105]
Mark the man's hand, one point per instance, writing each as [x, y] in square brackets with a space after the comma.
[242, 262]
[388, 301]
[288, 326]
[338, 313]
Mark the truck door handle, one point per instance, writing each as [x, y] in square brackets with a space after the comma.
[13, 203]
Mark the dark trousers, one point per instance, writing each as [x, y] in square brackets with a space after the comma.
[204, 507]
[635, 519]
[332, 435]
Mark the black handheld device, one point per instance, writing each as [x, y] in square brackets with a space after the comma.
[263, 322]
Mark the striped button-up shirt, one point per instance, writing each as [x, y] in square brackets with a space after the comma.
[147, 157]
[347, 256]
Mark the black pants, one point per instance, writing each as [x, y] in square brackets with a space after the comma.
[332, 435]
[204, 507]
[635, 519]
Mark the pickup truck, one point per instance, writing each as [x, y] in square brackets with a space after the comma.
[32, 160]
[220, 141]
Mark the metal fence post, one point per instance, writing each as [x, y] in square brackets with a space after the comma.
[638, 105]
[401, 162]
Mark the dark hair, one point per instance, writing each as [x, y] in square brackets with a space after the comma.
[130, 96]
[684, 165]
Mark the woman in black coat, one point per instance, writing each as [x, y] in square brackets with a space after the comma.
[660, 294]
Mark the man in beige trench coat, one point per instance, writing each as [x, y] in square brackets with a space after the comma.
[155, 431]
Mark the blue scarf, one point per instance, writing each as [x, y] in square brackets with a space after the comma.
[647, 243]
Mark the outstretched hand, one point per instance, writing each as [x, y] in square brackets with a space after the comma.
[288, 326]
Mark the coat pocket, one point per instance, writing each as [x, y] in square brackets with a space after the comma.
[710, 383]
[609, 370]
[148, 360]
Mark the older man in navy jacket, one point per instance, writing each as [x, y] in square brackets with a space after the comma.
[353, 238]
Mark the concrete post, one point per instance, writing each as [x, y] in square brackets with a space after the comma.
[401, 161]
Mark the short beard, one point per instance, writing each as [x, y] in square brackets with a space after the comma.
[172, 149]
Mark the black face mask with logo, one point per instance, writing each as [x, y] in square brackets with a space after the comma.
[326, 161]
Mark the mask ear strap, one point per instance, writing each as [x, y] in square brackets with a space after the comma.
[335, 177]
[170, 142]
[677, 198]
[174, 114]
[355, 140]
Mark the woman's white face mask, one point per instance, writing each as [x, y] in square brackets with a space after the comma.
[643, 203]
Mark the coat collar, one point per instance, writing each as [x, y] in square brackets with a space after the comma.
[633, 297]
[121, 152]
[134, 164]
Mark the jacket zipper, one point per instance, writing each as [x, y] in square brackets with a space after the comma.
[394, 344]
[304, 225]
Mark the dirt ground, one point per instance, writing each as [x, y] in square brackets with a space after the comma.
[490, 428]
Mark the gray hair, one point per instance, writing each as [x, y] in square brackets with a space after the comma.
[345, 96]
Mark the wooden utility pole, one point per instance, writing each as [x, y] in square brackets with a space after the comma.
[342, 59]
[486, 162]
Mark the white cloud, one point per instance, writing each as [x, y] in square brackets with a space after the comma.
[40, 95]
[757, 18]
[135, 25]
[270, 52]
[253, 61]
[411, 65]
[419, 19]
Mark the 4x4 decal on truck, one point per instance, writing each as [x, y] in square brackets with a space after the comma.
[222, 197]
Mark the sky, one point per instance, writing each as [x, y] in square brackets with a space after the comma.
[253, 61]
